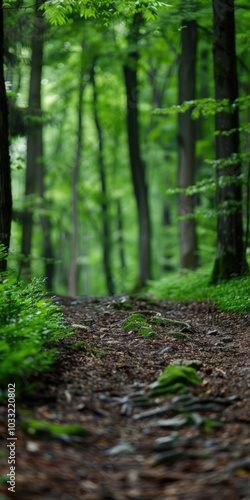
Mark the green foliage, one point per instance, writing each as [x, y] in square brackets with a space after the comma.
[58, 12]
[3, 253]
[83, 24]
[206, 106]
[209, 185]
[232, 295]
[174, 380]
[28, 322]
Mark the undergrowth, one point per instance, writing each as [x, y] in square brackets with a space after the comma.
[29, 323]
[232, 295]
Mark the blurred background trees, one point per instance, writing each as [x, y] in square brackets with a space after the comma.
[114, 179]
[5, 179]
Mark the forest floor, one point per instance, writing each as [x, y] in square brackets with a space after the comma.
[192, 447]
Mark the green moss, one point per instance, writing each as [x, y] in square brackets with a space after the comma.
[134, 322]
[137, 322]
[161, 321]
[184, 374]
[147, 331]
[177, 335]
[38, 428]
[174, 380]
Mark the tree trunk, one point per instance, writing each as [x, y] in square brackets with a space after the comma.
[73, 271]
[188, 254]
[5, 179]
[106, 232]
[47, 249]
[136, 162]
[120, 241]
[230, 253]
[48, 252]
[34, 160]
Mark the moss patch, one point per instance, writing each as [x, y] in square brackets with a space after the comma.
[174, 380]
[146, 327]
[136, 322]
[37, 428]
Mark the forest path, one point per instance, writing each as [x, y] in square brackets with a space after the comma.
[101, 381]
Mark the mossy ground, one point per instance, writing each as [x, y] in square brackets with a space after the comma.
[232, 295]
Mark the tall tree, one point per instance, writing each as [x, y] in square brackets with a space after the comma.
[106, 230]
[34, 160]
[138, 170]
[230, 254]
[79, 144]
[5, 178]
[188, 255]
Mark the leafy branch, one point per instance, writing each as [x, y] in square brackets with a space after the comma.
[206, 107]
[58, 12]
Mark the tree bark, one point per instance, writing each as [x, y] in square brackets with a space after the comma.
[5, 177]
[136, 162]
[230, 253]
[188, 252]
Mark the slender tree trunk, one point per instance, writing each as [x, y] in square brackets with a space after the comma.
[5, 179]
[47, 249]
[230, 254]
[247, 191]
[136, 162]
[34, 160]
[106, 230]
[86, 266]
[121, 246]
[119, 212]
[158, 93]
[188, 255]
[48, 252]
[73, 271]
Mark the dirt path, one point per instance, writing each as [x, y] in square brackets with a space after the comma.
[132, 450]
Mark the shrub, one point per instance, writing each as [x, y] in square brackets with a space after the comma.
[29, 322]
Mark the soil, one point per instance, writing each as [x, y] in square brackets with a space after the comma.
[194, 446]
